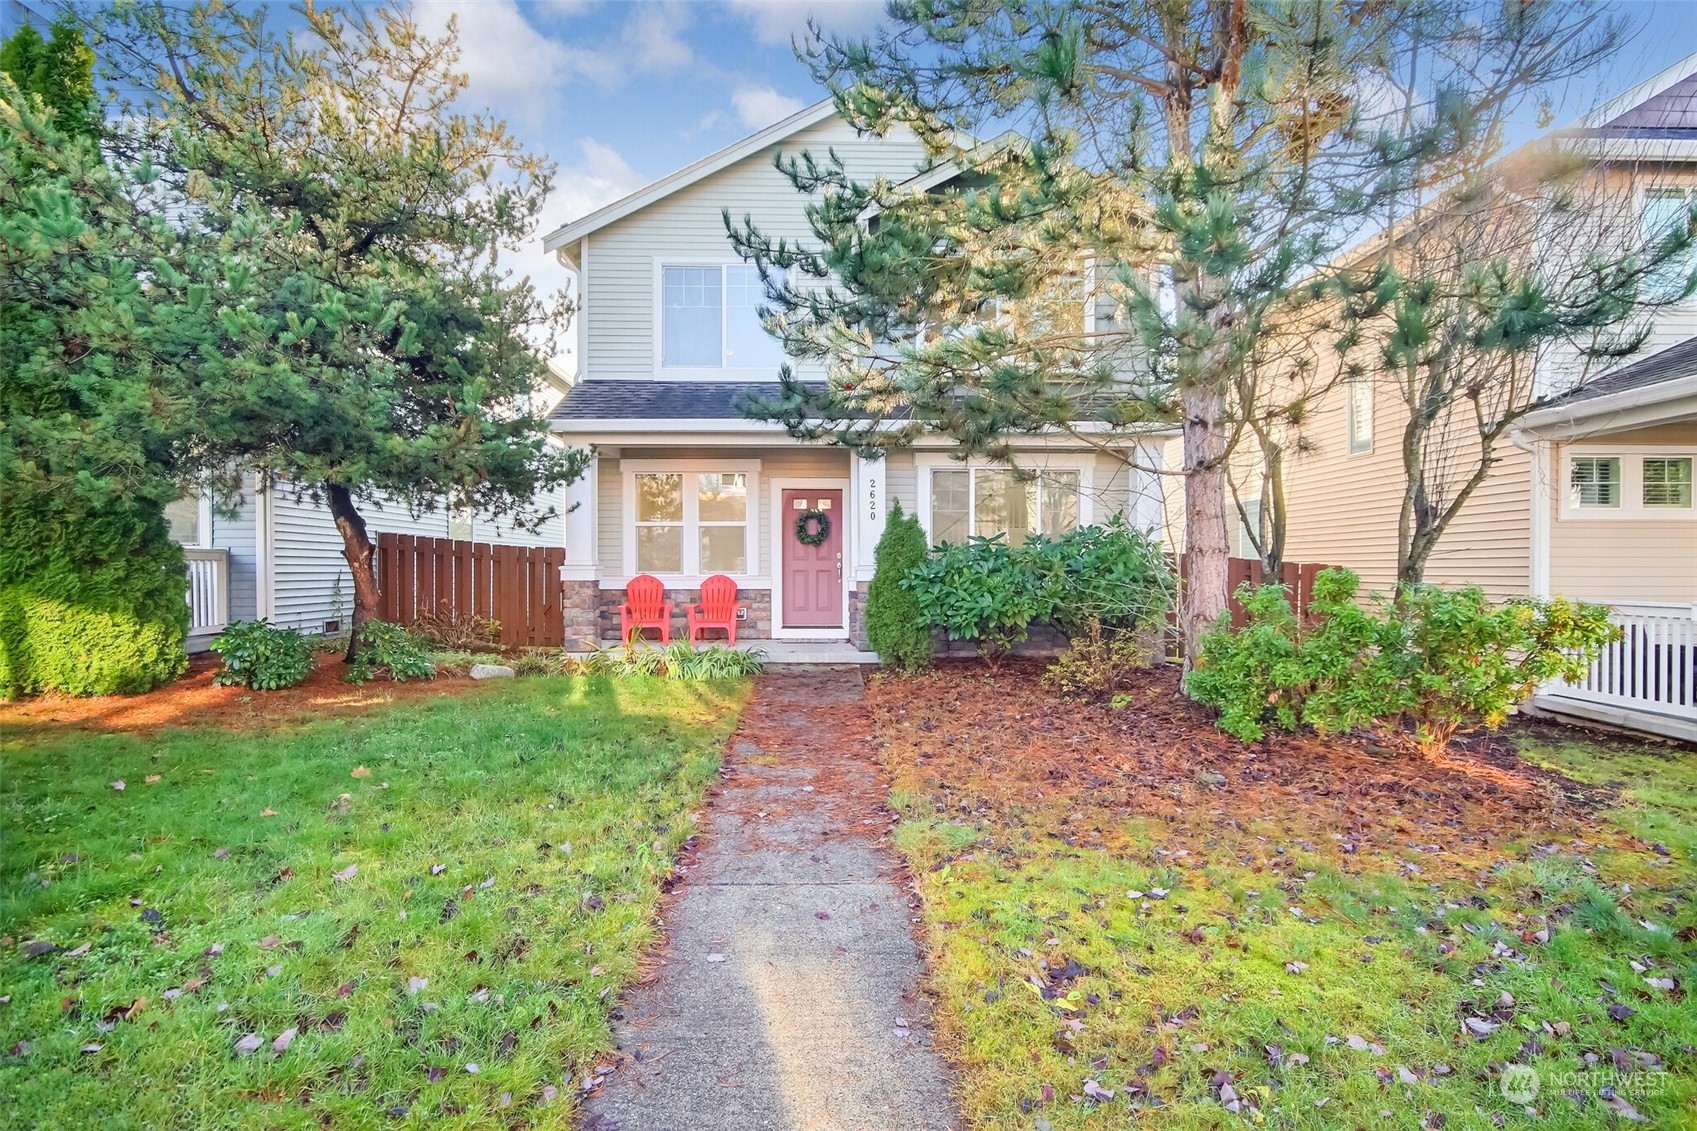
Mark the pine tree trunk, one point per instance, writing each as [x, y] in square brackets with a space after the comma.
[361, 553]
[1203, 597]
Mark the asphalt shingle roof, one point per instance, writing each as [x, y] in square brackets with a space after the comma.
[661, 400]
[1672, 363]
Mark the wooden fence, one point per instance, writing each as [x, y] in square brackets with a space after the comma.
[516, 585]
[1297, 577]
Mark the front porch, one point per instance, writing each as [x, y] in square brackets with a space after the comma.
[1646, 681]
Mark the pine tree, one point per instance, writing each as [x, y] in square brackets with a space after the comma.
[58, 70]
[894, 626]
[1187, 171]
[347, 327]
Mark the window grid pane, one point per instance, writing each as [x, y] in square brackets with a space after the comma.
[1596, 482]
[722, 497]
[692, 317]
[660, 549]
[1060, 503]
[1667, 481]
[724, 548]
[660, 497]
[950, 503]
[1003, 504]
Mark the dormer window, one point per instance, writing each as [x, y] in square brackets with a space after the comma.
[710, 319]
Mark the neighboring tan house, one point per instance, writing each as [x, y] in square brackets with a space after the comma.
[684, 486]
[1527, 528]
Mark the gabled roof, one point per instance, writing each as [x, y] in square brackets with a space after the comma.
[1663, 87]
[1675, 361]
[611, 399]
[1659, 389]
[565, 237]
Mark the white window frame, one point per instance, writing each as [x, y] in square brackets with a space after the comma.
[927, 463]
[675, 372]
[1351, 387]
[1666, 190]
[692, 575]
[1632, 506]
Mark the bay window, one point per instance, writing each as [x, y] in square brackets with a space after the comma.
[986, 501]
[691, 522]
[710, 319]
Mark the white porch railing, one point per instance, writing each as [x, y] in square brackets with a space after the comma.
[209, 590]
[1651, 670]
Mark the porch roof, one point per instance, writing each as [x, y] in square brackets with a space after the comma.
[661, 400]
[1659, 389]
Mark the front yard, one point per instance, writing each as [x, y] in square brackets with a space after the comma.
[1133, 916]
[417, 913]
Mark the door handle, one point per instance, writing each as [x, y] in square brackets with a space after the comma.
[839, 565]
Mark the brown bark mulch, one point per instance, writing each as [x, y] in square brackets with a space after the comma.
[983, 743]
[194, 700]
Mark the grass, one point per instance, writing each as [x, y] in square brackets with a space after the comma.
[438, 900]
[1324, 994]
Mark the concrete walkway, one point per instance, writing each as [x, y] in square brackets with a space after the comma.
[788, 996]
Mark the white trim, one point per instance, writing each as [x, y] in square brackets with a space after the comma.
[926, 462]
[581, 312]
[203, 533]
[689, 174]
[1538, 569]
[1636, 96]
[870, 501]
[629, 469]
[581, 525]
[1631, 506]
[1629, 408]
[265, 548]
[805, 483]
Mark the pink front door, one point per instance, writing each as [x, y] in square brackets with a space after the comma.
[813, 575]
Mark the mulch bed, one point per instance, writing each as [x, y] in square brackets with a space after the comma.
[193, 700]
[996, 743]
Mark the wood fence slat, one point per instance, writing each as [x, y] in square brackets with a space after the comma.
[388, 582]
[462, 579]
[553, 561]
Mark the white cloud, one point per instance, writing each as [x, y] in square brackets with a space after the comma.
[777, 21]
[512, 66]
[760, 106]
[652, 34]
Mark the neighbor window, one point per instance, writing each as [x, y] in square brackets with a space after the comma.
[990, 501]
[691, 522]
[1666, 211]
[1595, 481]
[1667, 481]
[182, 516]
[1248, 529]
[710, 319]
[1360, 416]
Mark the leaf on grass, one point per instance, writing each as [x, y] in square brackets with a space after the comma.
[361, 772]
[118, 785]
[417, 985]
[473, 1069]
[78, 952]
[214, 950]
[1660, 983]
[249, 1044]
[1619, 1012]
[220, 853]
[1620, 1107]
[38, 947]
[345, 874]
[344, 989]
[269, 942]
[151, 778]
[284, 1040]
[1096, 1092]
[268, 812]
[91, 1048]
[438, 869]
[1295, 967]
[1480, 1028]
[435, 1073]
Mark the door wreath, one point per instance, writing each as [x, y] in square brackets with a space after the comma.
[812, 527]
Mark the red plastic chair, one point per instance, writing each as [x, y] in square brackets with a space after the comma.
[645, 607]
[716, 609]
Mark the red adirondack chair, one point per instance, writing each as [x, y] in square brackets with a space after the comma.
[645, 607]
[716, 609]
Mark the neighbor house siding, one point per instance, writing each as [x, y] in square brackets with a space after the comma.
[618, 285]
[1622, 559]
[236, 534]
[311, 584]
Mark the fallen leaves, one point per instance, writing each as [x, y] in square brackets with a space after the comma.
[249, 1044]
[361, 772]
[345, 874]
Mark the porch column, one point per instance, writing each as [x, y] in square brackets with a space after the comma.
[1538, 579]
[868, 492]
[580, 577]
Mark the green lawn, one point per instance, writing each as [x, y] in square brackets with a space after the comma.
[422, 915]
[1082, 947]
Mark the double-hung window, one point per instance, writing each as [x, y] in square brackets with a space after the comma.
[692, 522]
[986, 501]
[710, 319]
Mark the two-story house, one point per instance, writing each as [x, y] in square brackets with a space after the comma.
[683, 486]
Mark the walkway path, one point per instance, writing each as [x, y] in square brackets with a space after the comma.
[788, 997]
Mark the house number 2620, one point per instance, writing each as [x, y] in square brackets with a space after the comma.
[872, 499]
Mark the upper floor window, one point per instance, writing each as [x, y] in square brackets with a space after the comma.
[1360, 416]
[710, 319]
[1665, 210]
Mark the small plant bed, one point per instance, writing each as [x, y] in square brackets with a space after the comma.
[1133, 915]
[419, 914]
